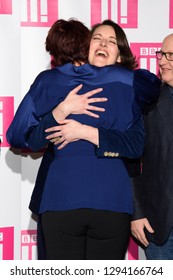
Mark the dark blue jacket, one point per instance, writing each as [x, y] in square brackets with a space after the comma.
[77, 177]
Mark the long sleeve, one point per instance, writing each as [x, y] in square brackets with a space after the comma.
[129, 143]
[38, 101]
[147, 88]
[37, 137]
[26, 116]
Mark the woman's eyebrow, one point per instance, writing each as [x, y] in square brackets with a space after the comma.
[97, 34]
[112, 37]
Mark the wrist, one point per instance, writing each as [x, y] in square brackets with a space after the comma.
[60, 112]
[90, 134]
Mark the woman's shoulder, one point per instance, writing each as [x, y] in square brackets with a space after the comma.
[48, 73]
[146, 74]
[45, 77]
[116, 73]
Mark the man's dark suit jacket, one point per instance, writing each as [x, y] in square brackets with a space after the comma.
[153, 189]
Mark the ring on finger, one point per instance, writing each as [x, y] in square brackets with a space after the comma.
[53, 140]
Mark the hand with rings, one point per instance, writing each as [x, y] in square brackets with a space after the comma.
[68, 131]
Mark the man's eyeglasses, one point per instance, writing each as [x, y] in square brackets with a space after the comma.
[168, 55]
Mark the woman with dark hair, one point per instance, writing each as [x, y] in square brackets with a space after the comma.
[86, 204]
[126, 59]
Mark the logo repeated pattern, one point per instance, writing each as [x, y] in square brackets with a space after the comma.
[5, 7]
[145, 52]
[124, 12]
[28, 244]
[39, 12]
[7, 243]
[171, 14]
[6, 116]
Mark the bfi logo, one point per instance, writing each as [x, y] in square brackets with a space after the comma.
[44, 12]
[39, 13]
[5, 7]
[7, 243]
[6, 116]
[145, 52]
[123, 12]
[171, 14]
[28, 244]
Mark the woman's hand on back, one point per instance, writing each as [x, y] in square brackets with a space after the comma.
[79, 104]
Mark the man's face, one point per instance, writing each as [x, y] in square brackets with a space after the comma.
[165, 65]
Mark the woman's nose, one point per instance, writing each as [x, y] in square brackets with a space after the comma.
[103, 42]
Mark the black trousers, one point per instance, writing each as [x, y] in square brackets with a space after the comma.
[86, 234]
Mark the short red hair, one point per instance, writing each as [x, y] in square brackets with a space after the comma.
[68, 41]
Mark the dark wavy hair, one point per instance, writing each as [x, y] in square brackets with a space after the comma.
[128, 60]
[68, 41]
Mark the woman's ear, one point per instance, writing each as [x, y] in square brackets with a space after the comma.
[119, 59]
